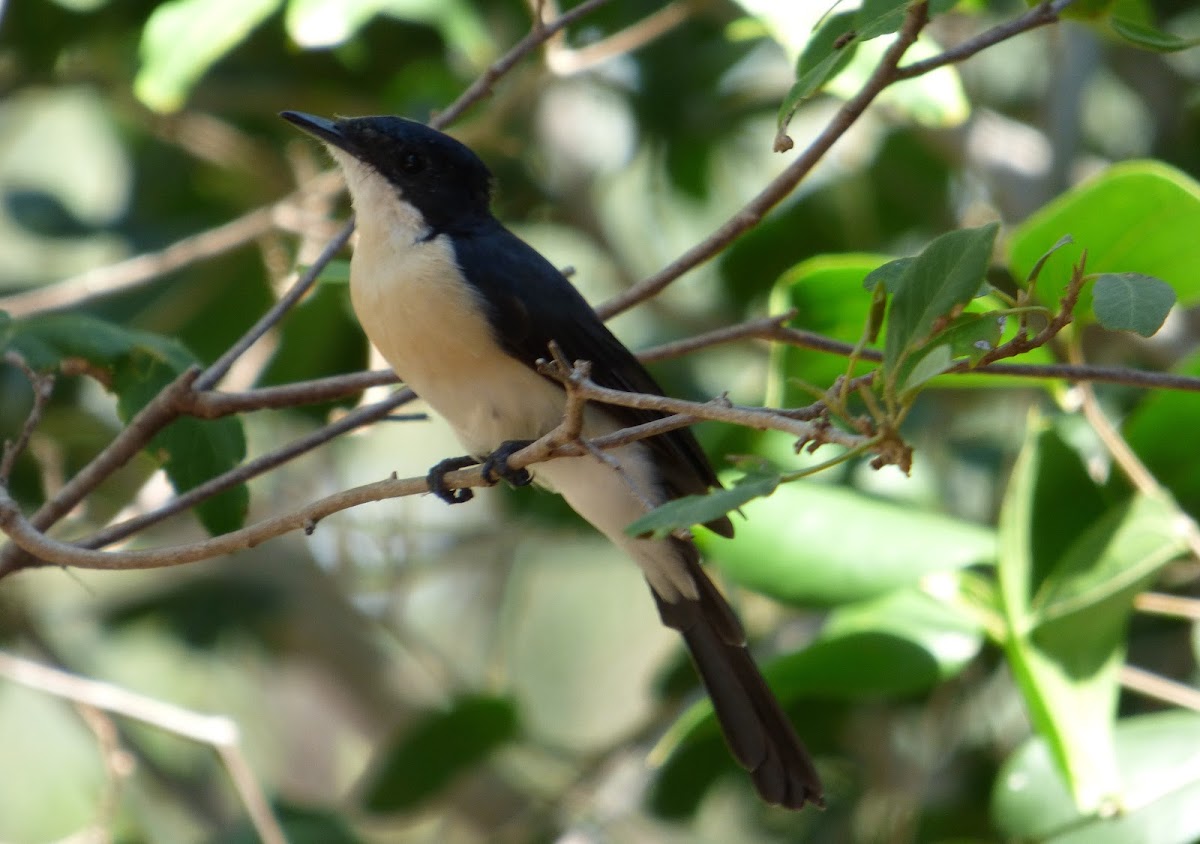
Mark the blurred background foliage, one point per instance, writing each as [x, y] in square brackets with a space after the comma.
[496, 672]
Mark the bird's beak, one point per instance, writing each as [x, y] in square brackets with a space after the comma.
[319, 127]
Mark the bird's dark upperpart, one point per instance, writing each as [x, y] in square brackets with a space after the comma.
[462, 309]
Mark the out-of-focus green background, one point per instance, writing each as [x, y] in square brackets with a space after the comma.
[497, 672]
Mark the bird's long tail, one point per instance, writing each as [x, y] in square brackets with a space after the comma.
[758, 733]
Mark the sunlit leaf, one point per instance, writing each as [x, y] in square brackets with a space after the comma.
[182, 39]
[1069, 569]
[812, 544]
[1138, 216]
[1159, 759]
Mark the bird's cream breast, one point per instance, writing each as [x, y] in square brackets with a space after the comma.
[433, 330]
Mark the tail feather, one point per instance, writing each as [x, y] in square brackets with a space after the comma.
[758, 733]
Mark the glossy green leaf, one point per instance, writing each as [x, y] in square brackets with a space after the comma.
[947, 273]
[1159, 759]
[690, 510]
[1069, 570]
[1138, 216]
[813, 544]
[182, 39]
[1132, 302]
[427, 757]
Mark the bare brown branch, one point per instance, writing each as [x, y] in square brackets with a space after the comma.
[1046, 13]
[779, 188]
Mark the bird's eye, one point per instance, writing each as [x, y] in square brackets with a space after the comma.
[412, 163]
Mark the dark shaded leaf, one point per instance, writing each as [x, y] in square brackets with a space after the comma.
[424, 760]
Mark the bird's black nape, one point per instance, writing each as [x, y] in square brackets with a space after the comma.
[439, 175]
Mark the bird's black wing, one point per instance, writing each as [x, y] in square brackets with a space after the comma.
[532, 303]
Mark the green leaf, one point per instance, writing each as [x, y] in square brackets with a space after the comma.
[139, 364]
[182, 39]
[191, 450]
[1066, 596]
[931, 364]
[812, 544]
[826, 54]
[890, 274]
[1132, 302]
[1153, 430]
[1065, 240]
[1139, 216]
[972, 335]
[948, 273]
[1160, 783]
[1148, 37]
[826, 293]
[701, 509]
[426, 758]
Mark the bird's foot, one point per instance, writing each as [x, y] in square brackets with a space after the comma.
[437, 480]
[496, 468]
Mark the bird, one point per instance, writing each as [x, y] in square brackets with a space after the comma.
[463, 310]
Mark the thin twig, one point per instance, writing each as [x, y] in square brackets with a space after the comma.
[1174, 606]
[133, 437]
[1046, 13]
[213, 404]
[566, 61]
[43, 389]
[752, 329]
[246, 471]
[295, 293]
[1058, 371]
[1126, 459]
[780, 187]
[217, 731]
[539, 33]
[140, 269]
[1160, 688]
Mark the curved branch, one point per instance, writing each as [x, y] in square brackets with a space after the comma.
[779, 188]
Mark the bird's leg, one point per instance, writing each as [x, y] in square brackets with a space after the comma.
[437, 480]
[496, 468]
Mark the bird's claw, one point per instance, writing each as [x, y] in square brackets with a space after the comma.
[437, 480]
[496, 467]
